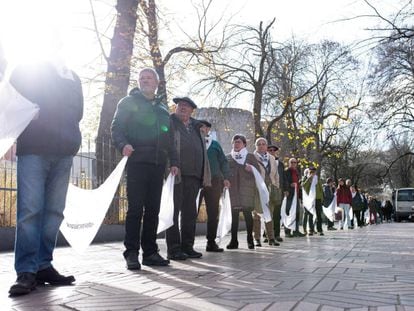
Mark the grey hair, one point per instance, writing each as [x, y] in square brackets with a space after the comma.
[260, 139]
[151, 70]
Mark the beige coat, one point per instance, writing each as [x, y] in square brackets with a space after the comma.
[274, 175]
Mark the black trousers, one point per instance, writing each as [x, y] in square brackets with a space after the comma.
[277, 205]
[211, 197]
[185, 195]
[318, 207]
[144, 187]
[308, 216]
[248, 218]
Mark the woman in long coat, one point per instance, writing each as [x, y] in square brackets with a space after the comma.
[243, 188]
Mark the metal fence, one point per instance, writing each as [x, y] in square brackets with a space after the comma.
[87, 173]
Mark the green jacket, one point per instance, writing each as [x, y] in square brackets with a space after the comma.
[219, 166]
[144, 124]
[319, 189]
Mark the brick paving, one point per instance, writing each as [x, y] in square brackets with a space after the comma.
[366, 269]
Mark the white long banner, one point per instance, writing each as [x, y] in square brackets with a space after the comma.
[86, 209]
[16, 112]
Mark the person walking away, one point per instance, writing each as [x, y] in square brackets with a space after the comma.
[148, 146]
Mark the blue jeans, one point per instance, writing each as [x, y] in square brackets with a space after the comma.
[42, 183]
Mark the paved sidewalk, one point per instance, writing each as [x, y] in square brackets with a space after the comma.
[369, 269]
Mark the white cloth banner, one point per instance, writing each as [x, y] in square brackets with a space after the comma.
[309, 199]
[86, 209]
[16, 112]
[289, 221]
[329, 211]
[263, 194]
[166, 215]
[224, 224]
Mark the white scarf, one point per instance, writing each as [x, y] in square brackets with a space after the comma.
[239, 157]
[264, 158]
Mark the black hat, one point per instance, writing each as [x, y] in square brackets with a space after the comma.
[273, 146]
[205, 122]
[185, 99]
[312, 168]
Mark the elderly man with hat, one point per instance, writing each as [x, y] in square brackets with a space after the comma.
[194, 173]
[220, 173]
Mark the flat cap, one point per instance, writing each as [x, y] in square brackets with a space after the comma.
[185, 99]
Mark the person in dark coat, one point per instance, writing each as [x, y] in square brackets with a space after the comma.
[194, 174]
[45, 152]
[140, 130]
[276, 194]
[291, 184]
[328, 196]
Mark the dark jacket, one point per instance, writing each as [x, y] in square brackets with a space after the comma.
[56, 130]
[328, 195]
[288, 180]
[357, 202]
[191, 150]
[145, 125]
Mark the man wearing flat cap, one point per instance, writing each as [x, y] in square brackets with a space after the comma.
[194, 173]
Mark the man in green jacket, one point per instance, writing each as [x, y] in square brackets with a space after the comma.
[220, 173]
[141, 131]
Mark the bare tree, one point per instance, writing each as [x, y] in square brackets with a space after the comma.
[198, 45]
[243, 67]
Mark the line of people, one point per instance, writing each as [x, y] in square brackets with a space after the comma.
[155, 142]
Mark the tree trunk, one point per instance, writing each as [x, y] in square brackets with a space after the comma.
[116, 86]
[150, 11]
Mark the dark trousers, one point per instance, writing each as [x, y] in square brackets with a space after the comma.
[248, 218]
[185, 195]
[212, 198]
[144, 187]
[277, 205]
[357, 216]
[330, 224]
[288, 206]
[308, 216]
[318, 208]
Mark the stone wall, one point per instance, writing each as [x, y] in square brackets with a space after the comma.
[226, 122]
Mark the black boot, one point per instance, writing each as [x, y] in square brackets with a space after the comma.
[250, 243]
[51, 276]
[25, 283]
[234, 244]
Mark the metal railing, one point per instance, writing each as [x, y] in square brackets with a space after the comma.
[84, 174]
